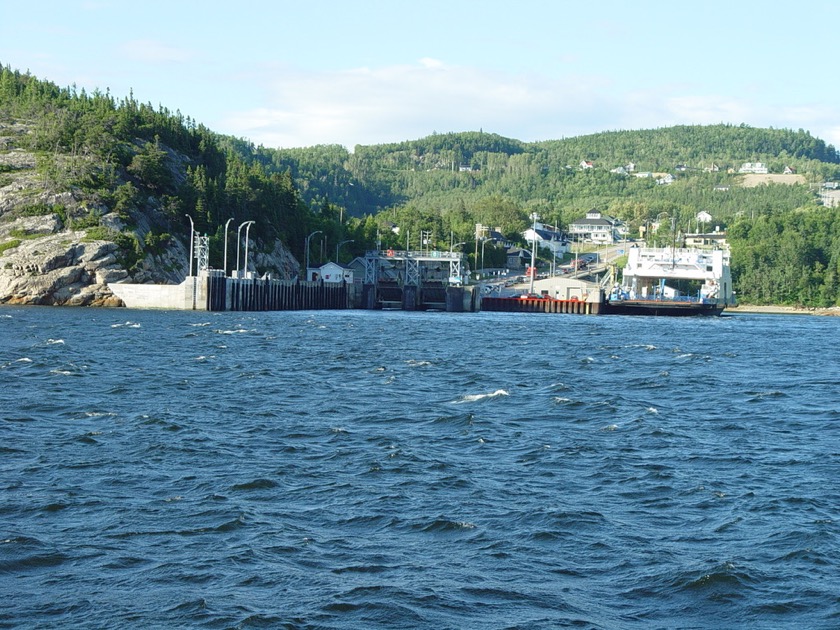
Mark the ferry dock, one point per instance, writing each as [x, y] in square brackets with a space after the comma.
[399, 280]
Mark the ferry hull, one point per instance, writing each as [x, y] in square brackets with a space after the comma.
[661, 308]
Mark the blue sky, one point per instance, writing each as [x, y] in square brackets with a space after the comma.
[292, 74]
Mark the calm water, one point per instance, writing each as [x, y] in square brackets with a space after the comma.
[418, 470]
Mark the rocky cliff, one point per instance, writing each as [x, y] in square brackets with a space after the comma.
[62, 247]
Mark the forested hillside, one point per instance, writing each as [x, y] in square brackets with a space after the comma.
[446, 183]
[151, 167]
[148, 165]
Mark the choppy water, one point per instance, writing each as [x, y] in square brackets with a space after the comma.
[417, 470]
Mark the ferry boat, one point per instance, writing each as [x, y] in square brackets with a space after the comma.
[672, 282]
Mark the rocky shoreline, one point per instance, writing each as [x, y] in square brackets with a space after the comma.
[59, 247]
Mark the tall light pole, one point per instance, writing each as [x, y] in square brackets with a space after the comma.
[534, 217]
[306, 271]
[227, 223]
[483, 243]
[239, 241]
[192, 238]
[247, 229]
[337, 247]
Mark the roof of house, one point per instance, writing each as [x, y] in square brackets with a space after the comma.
[600, 221]
[327, 264]
[549, 235]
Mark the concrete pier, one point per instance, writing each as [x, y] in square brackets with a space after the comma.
[212, 291]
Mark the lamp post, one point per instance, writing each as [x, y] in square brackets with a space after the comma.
[226, 242]
[337, 247]
[483, 243]
[306, 271]
[247, 229]
[239, 241]
[192, 238]
[534, 217]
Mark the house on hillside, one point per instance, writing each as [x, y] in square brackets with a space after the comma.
[497, 237]
[624, 170]
[547, 238]
[755, 168]
[517, 258]
[708, 240]
[703, 217]
[585, 164]
[789, 170]
[597, 228]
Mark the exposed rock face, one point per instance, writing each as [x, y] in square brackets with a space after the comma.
[45, 261]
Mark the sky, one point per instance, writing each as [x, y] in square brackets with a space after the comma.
[288, 74]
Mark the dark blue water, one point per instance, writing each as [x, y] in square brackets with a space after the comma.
[418, 470]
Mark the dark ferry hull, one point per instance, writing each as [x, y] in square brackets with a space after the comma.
[661, 308]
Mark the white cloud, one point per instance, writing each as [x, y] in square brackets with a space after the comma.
[394, 103]
[402, 102]
[152, 51]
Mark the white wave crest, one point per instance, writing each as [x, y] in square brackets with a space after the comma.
[477, 397]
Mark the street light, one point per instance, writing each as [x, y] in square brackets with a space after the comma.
[534, 217]
[239, 241]
[192, 238]
[337, 247]
[306, 271]
[247, 229]
[483, 243]
[226, 242]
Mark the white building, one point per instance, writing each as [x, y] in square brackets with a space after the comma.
[547, 238]
[756, 168]
[597, 228]
[330, 272]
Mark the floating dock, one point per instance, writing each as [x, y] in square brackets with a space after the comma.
[543, 305]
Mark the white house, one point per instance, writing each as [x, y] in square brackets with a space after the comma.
[547, 238]
[330, 272]
[757, 168]
[598, 228]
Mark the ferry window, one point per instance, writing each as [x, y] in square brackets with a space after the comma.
[708, 268]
